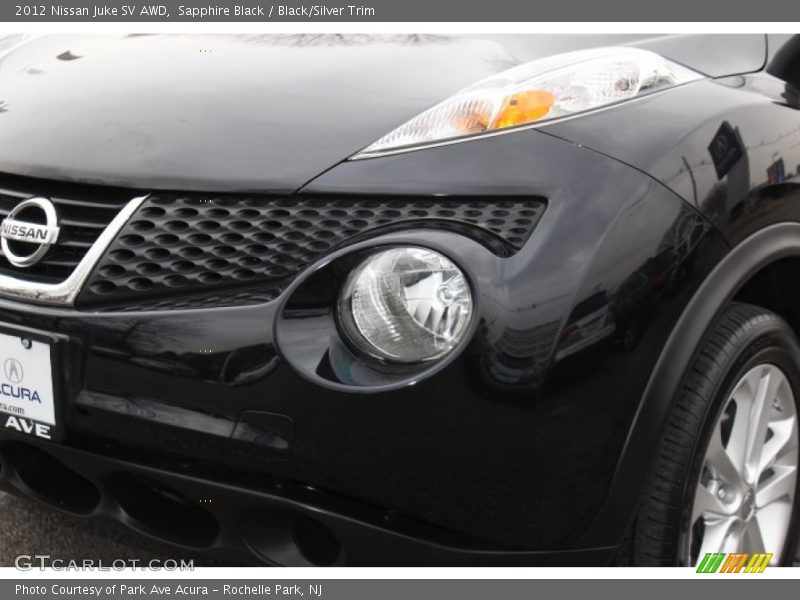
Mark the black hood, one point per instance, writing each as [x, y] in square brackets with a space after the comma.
[220, 112]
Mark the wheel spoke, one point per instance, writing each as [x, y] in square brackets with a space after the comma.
[720, 462]
[708, 505]
[719, 536]
[742, 396]
[759, 420]
[780, 485]
[752, 540]
[773, 521]
[783, 443]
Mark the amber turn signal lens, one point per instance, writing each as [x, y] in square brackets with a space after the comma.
[524, 107]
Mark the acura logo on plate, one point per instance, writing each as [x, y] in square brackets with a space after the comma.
[13, 370]
[29, 230]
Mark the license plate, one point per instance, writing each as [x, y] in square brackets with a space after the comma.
[27, 395]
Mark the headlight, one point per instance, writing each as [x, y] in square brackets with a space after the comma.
[538, 91]
[406, 305]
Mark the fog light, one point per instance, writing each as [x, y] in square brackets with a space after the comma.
[406, 305]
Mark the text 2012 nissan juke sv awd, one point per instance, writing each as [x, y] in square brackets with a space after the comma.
[406, 300]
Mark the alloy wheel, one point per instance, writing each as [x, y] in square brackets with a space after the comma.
[746, 490]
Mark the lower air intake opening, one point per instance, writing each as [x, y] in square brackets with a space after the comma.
[43, 477]
[163, 513]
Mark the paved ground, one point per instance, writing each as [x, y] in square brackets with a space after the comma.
[32, 529]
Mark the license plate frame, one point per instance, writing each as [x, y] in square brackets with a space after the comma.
[46, 344]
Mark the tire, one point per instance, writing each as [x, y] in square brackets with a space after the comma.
[747, 348]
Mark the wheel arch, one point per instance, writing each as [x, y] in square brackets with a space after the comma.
[766, 247]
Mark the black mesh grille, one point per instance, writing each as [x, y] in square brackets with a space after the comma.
[209, 299]
[190, 244]
[84, 212]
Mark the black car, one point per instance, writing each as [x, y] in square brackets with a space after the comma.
[406, 300]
